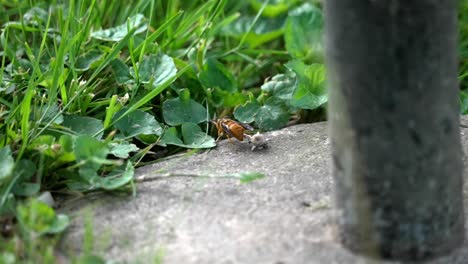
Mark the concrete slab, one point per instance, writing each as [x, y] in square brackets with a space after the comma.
[285, 217]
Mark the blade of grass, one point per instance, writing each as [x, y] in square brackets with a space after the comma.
[110, 56]
[244, 37]
[149, 96]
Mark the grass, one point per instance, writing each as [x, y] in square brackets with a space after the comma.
[90, 90]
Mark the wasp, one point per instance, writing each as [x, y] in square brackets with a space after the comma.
[231, 128]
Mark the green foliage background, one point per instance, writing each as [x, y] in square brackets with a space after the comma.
[92, 89]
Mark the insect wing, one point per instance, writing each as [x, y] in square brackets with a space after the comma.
[246, 126]
[227, 130]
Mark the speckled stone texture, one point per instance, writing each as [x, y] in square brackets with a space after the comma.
[286, 217]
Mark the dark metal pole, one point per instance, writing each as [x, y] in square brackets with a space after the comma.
[394, 126]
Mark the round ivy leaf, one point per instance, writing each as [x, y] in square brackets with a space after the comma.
[281, 86]
[87, 60]
[178, 111]
[36, 216]
[311, 92]
[303, 32]
[117, 178]
[119, 32]
[215, 75]
[137, 123]
[194, 137]
[246, 113]
[272, 115]
[156, 69]
[84, 125]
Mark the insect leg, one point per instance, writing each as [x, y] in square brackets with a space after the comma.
[228, 132]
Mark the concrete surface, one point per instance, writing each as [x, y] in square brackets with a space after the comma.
[283, 218]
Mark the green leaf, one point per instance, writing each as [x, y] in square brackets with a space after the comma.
[264, 29]
[156, 69]
[66, 143]
[86, 60]
[26, 189]
[272, 115]
[178, 110]
[117, 178]
[44, 145]
[281, 86]
[193, 137]
[60, 223]
[24, 170]
[83, 125]
[118, 33]
[35, 16]
[7, 163]
[91, 152]
[9, 205]
[221, 98]
[311, 91]
[137, 123]
[8, 258]
[246, 113]
[170, 137]
[215, 75]
[273, 8]
[121, 150]
[48, 112]
[37, 217]
[463, 103]
[148, 139]
[92, 259]
[66, 153]
[121, 72]
[304, 32]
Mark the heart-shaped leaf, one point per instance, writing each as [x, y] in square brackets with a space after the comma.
[304, 31]
[136, 123]
[91, 152]
[272, 115]
[281, 86]
[171, 137]
[181, 110]
[156, 69]
[119, 32]
[192, 134]
[221, 98]
[246, 113]
[84, 125]
[194, 137]
[121, 71]
[117, 178]
[311, 91]
[37, 217]
[50, 113]
[121, 150]
[255, 31]
[86, 60]
[215, 75]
